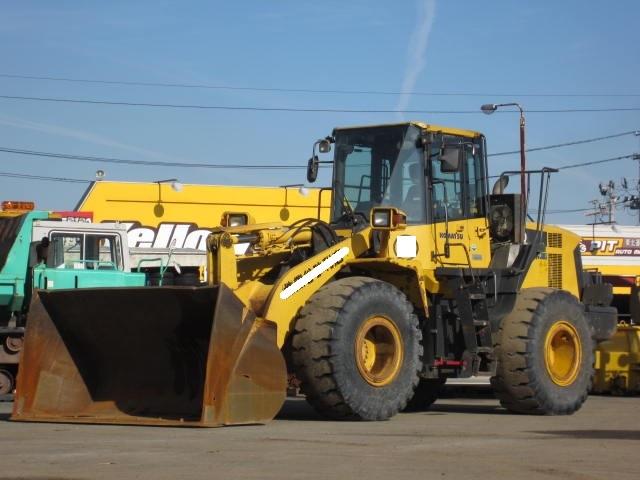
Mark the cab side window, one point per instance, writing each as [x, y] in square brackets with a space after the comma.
[474, 184]
[460, 194]
[84, 251]
[65, 251]
[101, 251]
[447, 192]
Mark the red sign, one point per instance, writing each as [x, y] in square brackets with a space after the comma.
[86, 217]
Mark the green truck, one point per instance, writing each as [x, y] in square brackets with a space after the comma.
[38, 252]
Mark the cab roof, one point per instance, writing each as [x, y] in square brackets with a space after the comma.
[424, 126]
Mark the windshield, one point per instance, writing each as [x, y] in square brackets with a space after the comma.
[379, 166]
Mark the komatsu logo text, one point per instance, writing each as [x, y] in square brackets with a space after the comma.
[452, 236]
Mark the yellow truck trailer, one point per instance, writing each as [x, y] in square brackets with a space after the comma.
[171, 221]
[614, 251]
[163, 213]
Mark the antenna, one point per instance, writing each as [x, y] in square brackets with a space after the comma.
[603, 189]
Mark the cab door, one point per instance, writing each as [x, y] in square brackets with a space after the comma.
[457, 207]
[448, 220]
[475, 194]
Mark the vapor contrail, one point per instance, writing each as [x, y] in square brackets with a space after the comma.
[75, 134]
[417, 50]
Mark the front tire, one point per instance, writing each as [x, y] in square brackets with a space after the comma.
[357, 349]
[544, 353]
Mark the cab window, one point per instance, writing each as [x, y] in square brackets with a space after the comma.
[65, 251]
[102, 251]
[82, 251]
[460, 194]
[446, 191]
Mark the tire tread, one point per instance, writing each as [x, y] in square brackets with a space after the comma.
[316, 329]
[516, 383]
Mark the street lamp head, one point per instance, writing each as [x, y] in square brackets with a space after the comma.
[489, 108]
[175, 184]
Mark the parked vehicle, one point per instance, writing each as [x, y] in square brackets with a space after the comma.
[39, 251]
[422, 275]
[614, 252]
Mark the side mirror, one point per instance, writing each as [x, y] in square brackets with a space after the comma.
[324, 146]
[450, 159]
[312, 169]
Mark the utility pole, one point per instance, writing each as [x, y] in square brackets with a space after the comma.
[612, 205]
[607, 190]
[597, 211]
[637, 157]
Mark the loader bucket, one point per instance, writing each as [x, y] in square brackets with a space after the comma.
[148, 355]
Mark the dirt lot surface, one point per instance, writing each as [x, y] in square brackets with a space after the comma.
[457, 439]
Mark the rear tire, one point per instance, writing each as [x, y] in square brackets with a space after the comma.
[357, 349]
[544, 354]
[7, 382]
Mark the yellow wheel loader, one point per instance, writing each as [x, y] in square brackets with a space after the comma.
[421, 275]
[613, 251]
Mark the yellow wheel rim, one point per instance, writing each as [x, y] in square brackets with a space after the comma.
[563, 353]
[378, 351]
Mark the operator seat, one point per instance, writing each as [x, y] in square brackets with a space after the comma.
[413, 203]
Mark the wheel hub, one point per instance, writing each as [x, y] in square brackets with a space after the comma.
[378, 351]
[14, 344]
[563, 353]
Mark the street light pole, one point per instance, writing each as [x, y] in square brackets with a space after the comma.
[637, 157]
[489, 108]
[176, 186]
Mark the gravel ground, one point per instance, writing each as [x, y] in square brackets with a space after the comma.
[458, 438]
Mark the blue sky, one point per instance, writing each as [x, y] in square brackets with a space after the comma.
[504, 50]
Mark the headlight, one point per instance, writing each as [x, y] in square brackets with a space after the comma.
[382, 218]
[388, 218]
[237, 220]
[234, 219]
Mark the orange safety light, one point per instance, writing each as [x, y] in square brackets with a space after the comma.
[17, 205]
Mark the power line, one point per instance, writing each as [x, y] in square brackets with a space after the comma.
[88, 158]
[583, 164]
[569, 210]
[567, 144]
[42, 177]
[588, 209]
[307, 90]
[78, 180]
[595, 162]
[302, 109]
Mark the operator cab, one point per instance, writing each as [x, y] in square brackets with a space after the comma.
[434, 175]
[429, 177]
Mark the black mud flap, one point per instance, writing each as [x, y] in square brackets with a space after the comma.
[602, 320]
